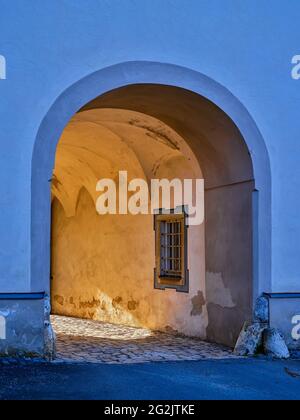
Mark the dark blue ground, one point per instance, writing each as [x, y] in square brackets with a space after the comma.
[231, 379]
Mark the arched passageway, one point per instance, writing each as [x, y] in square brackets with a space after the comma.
[102, 267]
[221, 137]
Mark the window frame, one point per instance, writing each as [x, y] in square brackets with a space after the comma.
[179, 283]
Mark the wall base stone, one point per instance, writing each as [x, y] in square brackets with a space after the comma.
[25, 329]
[274, 344]
[250, 340]
[273, 331]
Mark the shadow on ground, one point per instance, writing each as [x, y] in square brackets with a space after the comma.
[204, 380]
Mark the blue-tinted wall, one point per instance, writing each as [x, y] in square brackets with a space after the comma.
[245, 45]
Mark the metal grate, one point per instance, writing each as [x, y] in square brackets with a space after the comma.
[171, 248]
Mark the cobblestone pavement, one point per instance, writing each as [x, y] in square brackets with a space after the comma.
[81, 340]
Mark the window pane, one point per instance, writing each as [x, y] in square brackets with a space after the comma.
[171, 251]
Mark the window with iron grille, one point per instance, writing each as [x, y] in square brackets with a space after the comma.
[171, 251]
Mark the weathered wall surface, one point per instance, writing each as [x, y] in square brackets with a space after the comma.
[229, 259]
[22, 329]
[102, 266]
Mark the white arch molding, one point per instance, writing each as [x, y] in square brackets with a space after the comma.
[2, 327]
[121, 75]
[2, 68]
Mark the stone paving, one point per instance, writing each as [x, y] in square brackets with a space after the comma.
[81, 341]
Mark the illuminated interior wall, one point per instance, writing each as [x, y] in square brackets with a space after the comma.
[102, 266]
[226, 164]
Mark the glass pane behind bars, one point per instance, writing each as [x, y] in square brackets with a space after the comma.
[171, 248]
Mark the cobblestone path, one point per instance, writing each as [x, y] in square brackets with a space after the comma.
[81, 340]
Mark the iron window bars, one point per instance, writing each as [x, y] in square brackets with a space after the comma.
[171, 251]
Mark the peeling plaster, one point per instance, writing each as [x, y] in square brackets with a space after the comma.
[132, 305]
[94, 303]
[198, 302]
[117, 301]
[155, 133]
[169, 330]
[59, 299]
[217, 293]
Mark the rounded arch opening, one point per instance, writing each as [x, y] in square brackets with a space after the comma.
[103, 265]
[232, 156]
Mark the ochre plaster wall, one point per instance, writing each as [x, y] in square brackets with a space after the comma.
[102, 266]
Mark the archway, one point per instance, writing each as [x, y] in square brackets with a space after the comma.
[103, 265]
[179, 98]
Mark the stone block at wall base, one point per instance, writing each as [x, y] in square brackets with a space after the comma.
[25, 329]
[250, 340]
[274, 344]
[274, 331]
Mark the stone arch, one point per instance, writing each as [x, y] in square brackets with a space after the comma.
[245, 163]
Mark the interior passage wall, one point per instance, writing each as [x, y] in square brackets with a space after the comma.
[103, 266]
[102, 269]
[229, 181]
[229, 260]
